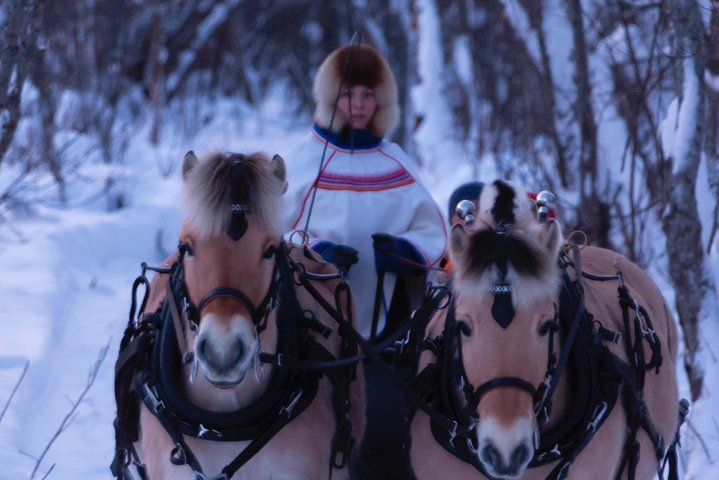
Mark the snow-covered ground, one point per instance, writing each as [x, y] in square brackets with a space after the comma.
[65, 281]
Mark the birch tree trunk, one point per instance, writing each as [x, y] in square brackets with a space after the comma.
[681, 222]
[562, 161]
[593, 213]
[154, 77]
[17, 48]
[711, 144]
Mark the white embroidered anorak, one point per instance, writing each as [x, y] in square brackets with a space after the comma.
[362, 191]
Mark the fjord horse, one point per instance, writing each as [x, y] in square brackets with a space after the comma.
[222, 388]
[546, 363]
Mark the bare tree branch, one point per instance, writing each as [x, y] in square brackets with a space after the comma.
[696, 433]
[17, 385]
[72, 414]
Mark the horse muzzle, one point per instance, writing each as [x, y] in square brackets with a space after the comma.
[506, 452]
[224, 356]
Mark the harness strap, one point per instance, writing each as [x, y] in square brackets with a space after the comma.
[177, 320]
[260, 441]
[286, 361]
[125, 454]
[611, 383]
[600, 414]
[229, 293]
[133, 357]
[581, 312]
[375, 356]
[671, 458]
[181, 454]
[376, 311]
[499, 382]
[340, 371]
[637, 417]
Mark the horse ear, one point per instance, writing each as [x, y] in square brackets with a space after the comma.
[458, 239]
[280, 170]
[551, 236]
[188, 163]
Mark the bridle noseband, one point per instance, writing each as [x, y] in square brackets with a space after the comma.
[473, 395]
[258, 313]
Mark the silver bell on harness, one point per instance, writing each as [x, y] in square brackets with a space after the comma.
[466, 211]
[544, 201]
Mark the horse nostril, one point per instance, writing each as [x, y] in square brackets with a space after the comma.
[520, 456]
[240, 352]
[491, 456]
[201, 348]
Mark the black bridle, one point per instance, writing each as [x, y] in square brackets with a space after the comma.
[503, 312]
[258, 313]
[456, 375]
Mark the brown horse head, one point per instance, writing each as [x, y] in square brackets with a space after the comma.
[506, 286]
[228, 233]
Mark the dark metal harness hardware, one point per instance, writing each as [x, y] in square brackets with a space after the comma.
[287, 409]
[158, 405]
[178, 456]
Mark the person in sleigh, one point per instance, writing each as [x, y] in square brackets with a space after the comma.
[357, 199]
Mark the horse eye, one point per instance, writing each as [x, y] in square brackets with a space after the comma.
[186, 249]
[549, 325]
[464, 328]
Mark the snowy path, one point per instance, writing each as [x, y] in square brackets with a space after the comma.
[72, 300]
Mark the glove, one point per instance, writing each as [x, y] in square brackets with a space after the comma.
[341, 256]
[396, 255]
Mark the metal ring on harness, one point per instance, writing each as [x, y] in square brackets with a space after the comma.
[304, 238]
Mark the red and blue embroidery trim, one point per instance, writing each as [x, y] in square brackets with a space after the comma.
[394, 179]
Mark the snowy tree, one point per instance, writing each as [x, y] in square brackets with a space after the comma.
[681, 221]
[17, 48]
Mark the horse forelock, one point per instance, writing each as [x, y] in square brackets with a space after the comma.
[507, 232]
[503, 207]
[504, 203]
[220, 181]
[531, 269]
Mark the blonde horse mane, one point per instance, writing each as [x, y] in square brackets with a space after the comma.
[222, 180]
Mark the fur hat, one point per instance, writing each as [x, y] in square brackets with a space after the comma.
[360, 65]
